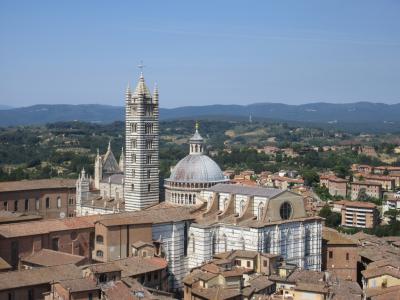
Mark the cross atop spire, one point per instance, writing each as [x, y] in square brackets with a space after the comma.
[141, 66]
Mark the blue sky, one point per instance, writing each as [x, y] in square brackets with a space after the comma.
[200, 52]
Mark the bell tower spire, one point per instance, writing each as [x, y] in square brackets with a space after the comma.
[141, 185]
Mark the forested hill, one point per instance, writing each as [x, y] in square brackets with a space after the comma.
[371, 114]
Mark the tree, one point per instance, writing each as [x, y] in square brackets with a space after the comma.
[310, 177]
[332, 219]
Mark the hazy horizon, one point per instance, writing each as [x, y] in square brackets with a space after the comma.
[200, 53]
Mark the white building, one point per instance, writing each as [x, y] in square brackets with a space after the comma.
[133, 182]
[141, 143]
[258, 219]
[192, 174]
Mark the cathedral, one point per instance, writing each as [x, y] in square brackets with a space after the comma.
[192, 174]
[204, 213]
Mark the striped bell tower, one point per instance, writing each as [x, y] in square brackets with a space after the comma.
[141, 143]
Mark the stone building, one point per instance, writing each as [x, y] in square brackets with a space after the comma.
[357, 213]
[339, 255]
[192, 174]
[361, 189]
[133, 182]
[70, 235]
[49, 198]
[258, 219]
[336, 186]
[141, 143]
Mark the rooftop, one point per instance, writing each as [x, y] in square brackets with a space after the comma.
[16, 279]
[46, 226]
[79, 285]
[356, 203]
[333, 237]
[26, 185]
[161, 213]
[47, 258]
[131, 266]
[245, 190]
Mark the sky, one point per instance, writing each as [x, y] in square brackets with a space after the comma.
[200, 52]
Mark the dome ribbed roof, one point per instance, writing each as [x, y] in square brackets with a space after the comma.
[197, 168]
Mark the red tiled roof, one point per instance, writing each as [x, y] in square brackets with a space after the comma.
[26, 185]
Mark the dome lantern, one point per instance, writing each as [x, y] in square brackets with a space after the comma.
[196, 142]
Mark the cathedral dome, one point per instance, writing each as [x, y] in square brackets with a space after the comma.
[197, 168]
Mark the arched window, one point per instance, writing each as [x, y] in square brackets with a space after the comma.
[225, 242]
[260, 211]
[214, 243]
[285, 210]
[58, 202]
[225, 203]
[241, 207]
[99, 253]
[194, 199]
[193, 243]
[99, 239]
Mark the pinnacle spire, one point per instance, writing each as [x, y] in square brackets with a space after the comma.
[109, 146]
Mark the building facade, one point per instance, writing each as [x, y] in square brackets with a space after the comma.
[49, 198]
[256, 219]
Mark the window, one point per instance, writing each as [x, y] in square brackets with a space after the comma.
[133, 127]
[238, 262]
[265, 263]
[133, 173]
[193, 243]
[71, 201]
[90, 296]
[73, 235]
[54, 244]
[144, 253]
[99, 253]
[347, 256]
[132, 187]
[133, 144]
[37, 203]
[26, 204]
[99, 239]
[47, 202]
[241, 207]
[58, 202]
[330, 254]
[30, 294]
[148, 110]
[248, 264]
[133, 157]
[148, 128]
[16, 205]
[148, 173]
[5, 205]
[102, 277]
[260, 211]
[149, 144]
[285, 210]
[149, 187]
[148, 159]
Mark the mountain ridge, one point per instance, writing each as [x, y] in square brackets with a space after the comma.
[320, 112]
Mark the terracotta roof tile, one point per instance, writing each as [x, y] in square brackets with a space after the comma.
[47, 258]
[24, 185]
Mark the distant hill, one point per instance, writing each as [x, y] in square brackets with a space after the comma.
[5, 107]
[361, 113]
